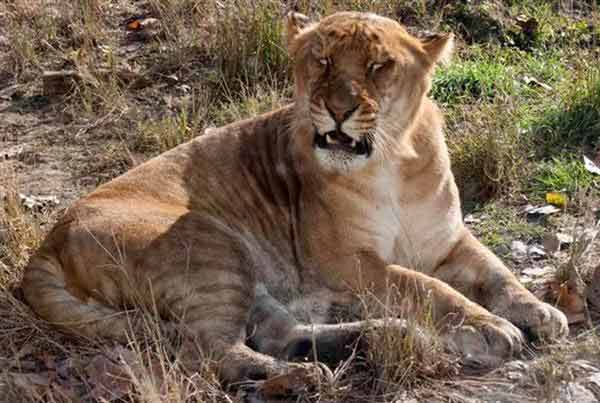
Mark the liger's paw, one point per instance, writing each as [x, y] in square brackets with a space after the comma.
[298, 379]
[539, 320]
[485, 342]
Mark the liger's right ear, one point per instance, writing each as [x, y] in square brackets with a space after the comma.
[295, 24]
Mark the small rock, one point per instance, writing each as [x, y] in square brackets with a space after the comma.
[13, 152]
[526, 208]
[516, 365]
[184, 88]
[59, 82]
[592, 292]
[536, 253]
[574, 392]
[554, 242]
[539, 271]
[502, 250]
[515, 370]
[469, 219]
[551, 243]
[537, 278]
[10, 92]
[564, 238]
[593, 383]
[585, 367]
[590, 234]
[38, 203]
[519, 250]
[171, 79]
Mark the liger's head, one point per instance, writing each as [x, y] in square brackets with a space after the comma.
[360, 80]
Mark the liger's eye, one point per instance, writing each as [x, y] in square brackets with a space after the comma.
[373, 67]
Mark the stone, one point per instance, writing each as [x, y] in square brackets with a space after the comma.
[519, 250]
[56, 83]
[536, 253]
[574, 392]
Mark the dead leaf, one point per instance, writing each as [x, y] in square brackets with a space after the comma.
[531, 81]
[591, 166]
[543, 210]
[292, 383]
[569, 301]
[134, 25]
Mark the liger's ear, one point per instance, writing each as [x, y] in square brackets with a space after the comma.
[295, 23]
[439, 48]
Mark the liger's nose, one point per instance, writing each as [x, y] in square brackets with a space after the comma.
[340, 113]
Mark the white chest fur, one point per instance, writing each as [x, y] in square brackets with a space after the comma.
[417, 234]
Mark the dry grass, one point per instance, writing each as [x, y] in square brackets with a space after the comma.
[20, 233]
[410, 360]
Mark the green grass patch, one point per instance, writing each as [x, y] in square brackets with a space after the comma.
[490, 73]
[572, 123]
[501, 224]
[563, 174]
[469, 81]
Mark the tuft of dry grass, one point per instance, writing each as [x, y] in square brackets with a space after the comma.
[43, 364]
[251, 101]
[491, 155]
[20, 234]
[401, 362]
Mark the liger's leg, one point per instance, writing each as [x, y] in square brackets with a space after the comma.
[476, 272]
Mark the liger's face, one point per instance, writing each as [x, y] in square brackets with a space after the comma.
[358, 76]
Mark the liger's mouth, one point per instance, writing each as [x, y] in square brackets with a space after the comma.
[338, 140]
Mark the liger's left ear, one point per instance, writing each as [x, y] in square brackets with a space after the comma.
[294, 25]
[439, 48]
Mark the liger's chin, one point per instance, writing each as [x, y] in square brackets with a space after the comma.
[340, 153]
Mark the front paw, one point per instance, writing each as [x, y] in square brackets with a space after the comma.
[298, 379]
[539, 320]
[485, 341]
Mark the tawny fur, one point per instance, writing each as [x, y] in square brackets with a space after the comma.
[195, 230]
